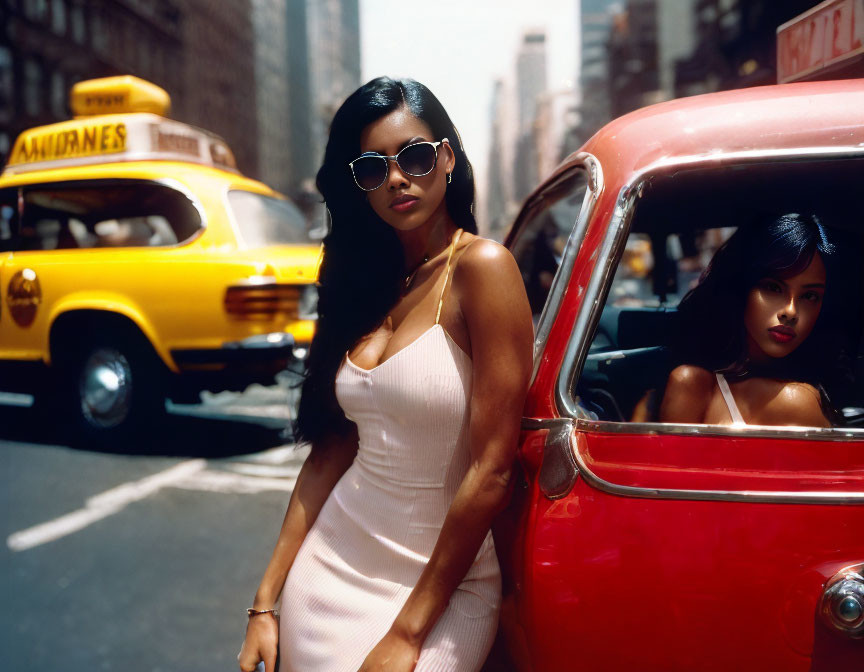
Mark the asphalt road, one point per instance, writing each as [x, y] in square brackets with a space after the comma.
[146, 560]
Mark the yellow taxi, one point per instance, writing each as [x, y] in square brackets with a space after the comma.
[137, 264]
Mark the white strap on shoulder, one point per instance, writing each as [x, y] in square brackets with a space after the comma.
[737, 418]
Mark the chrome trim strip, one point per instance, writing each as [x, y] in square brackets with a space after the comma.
[779, 497]
[537, 424]
[564, 426]
[571, 250]
[616, 235]
[729, 431]
[595, 294]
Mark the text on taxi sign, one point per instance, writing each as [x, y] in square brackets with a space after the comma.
[75, 142]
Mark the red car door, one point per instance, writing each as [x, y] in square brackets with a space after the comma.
[659, 546]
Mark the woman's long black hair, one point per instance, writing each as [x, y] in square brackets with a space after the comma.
[363, 264]
[712, 333]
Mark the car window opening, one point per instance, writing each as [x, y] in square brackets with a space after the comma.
[678, 226]
[263, 220]
[92, 215]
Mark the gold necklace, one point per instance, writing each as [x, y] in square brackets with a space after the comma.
[410, 277]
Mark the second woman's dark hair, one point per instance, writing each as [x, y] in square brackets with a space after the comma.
[712, 333]
[363, 265]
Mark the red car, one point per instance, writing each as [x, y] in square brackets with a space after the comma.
[634, 544]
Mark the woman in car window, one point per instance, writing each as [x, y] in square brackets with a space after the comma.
[762, 331]
[412, 404]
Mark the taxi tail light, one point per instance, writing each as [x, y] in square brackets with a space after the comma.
[262, 301]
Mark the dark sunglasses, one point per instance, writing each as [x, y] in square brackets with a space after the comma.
[370, 170]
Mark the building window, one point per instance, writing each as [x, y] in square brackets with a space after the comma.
[32, 88]
[97, 31]
[58, 95]
[5, 146]
[7, 86]
[58, 16]
[76, 20]
[35, 9]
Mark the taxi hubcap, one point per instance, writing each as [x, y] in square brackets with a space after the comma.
[105, 387]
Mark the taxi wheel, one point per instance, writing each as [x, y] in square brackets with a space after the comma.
[113, 390]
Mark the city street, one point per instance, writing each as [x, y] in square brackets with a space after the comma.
[144, 562]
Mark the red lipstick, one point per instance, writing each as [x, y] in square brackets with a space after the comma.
[781, 334]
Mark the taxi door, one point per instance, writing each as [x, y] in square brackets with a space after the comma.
[9, 221]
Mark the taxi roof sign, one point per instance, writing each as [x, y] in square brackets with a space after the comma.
[116, 137]
[118, 95]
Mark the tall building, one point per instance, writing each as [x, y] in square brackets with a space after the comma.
[45, 47]
[531, 83]
[497, 195]
[676, 40]
[270, 23]
[633, 73]
[324, 68]
[218, 90]
[531, 78]
[201, 52]
[735, 44]
[596, 19]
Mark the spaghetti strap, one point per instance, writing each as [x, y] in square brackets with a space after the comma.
[737, 418]
[456, 237]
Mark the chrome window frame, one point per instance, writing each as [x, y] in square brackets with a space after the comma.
[568, 405]
[594, 173]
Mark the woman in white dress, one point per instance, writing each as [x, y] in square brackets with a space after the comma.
[417, 377]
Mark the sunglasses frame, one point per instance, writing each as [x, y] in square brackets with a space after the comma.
[395, 157]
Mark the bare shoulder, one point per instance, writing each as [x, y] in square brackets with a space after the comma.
[485, 264]
[484, 254]
[688, 393]
[795, 403]
[692, 379]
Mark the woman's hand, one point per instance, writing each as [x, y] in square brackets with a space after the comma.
[394, 653]
[261, 643]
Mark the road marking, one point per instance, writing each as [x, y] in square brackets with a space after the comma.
[225, 482]
[278, 455]
[101, 506]
[267, 470]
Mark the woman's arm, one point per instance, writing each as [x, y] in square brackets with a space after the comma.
[321, 471]
[498, 319]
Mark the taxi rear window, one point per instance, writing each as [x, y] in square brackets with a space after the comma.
[263, 220]
[95, 214]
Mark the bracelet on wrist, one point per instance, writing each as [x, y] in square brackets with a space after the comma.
[257, 612]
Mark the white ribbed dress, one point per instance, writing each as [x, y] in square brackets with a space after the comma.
[377, 529]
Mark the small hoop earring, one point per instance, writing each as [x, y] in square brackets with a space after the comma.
[449, 178]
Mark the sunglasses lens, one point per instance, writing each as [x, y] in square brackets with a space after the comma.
[417, 160]
[370, 171]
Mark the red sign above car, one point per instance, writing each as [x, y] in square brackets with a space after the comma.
[823, 40]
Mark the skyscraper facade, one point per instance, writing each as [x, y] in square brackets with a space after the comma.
[531, 83]
[270, 23]
[596, 18]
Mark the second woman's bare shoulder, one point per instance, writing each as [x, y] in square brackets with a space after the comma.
[688, 392]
